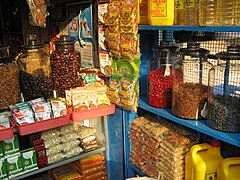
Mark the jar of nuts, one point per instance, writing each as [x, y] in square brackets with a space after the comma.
[224, 91]
[160, 75]
[66, 64]
[35, 72]
[190, 82]
[9, 81]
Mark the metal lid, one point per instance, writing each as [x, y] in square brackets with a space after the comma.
[193, 49]
[33, 44]
[64, 40]
[233, 53]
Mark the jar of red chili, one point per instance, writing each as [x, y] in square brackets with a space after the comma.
[66, 64]
[160, 75]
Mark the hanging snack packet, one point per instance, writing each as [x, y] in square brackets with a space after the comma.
[113, 88]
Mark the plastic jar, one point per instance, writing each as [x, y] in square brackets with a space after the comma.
[208, 13]
[35, 72]
[160, 75]
[224, 91]
[190, 82]
[9, 81]
[66, 64]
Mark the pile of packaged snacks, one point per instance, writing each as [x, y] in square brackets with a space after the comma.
[13, 161]
[37, 110]
[86, 98]
[4, 121]
[92, 167]
[160, 147]
[64, 142]
[38, 12]
[88, 168]
[121, 31]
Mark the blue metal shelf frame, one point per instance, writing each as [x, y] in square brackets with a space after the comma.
[192, 28]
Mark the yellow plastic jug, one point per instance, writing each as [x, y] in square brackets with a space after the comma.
[161, 12]
[229, 169]
[202, 161]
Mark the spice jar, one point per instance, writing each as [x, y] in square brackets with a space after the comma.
[190, 82]
[9, 81]
[160, 75]
[224, 91]
[66, 64]
[35, 72]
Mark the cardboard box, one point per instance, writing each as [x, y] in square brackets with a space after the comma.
[10, 146]
[14, 165]
[3, 169]
[29, 160]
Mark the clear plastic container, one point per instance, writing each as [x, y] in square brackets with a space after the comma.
[192, 12]
[9, 81]
[35, 72]
[180, 10]
[160, 75]
[208, 13]
[190, 82]
[224, 91]
[237, 13]
[225, 12]
[66, 64]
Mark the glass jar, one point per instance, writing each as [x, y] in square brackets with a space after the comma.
[190, 82]
[9, 81]
[224, 91]
[35, 72]
[160, 75]
[66, 64]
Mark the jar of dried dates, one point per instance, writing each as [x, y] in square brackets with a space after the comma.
[66, 64]
[35, 72]
[160, 75]
[224, 91]
[9, 81]
[190, 82]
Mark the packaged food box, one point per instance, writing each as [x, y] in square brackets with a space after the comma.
[10, 146]
[3, 169]
[14, 165]
[1, 150]
[29, 160]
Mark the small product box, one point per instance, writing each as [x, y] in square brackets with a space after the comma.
[10, 146]
[29, 160]
[3, 169]
[14, 165]
[1, 150]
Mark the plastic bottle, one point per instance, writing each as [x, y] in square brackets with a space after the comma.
[143, 12]
[161, 12]
[203, 162]
[180, 12]
[225, 12]
[208, 12]
[237, 13]
[229, 169]
[191, 12]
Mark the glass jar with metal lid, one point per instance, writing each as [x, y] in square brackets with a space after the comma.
[160, 74]
[224, 91]
[190, 82]
[9, 81]
[35, 72]
[66, 64]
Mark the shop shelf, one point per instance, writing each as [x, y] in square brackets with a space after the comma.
[7, 133]
[192, 28]
[87, 114]
[65, 161]
[199, 125]
[39, 126]
[137, 170]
